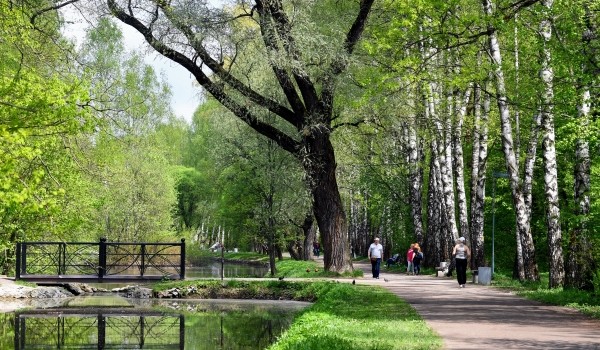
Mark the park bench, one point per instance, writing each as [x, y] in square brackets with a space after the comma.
[442, 270]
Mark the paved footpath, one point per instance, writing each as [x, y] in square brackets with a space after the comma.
[482, 317]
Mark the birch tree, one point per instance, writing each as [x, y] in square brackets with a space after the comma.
[523, 221]
[550, 167]
[478, 173]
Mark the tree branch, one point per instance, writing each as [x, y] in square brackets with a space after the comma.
[50, 8]
[517, 6]
[339, 65]
[268, 36]
[216, 90]
[216, 67]
[283, 27]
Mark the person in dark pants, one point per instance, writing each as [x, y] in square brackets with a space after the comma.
[316, 248]
[461, 254]
[375, 254]
[417, 259]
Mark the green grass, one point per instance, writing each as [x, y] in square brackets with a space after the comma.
[586, 302]
[343, 316]
[358, 317]
[307, 269]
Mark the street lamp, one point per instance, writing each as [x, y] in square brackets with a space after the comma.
[495, 175]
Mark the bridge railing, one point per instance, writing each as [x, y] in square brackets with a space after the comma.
[99, 260]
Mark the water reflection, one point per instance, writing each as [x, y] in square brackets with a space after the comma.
[213, 269]
[66, 330]
[158, 324]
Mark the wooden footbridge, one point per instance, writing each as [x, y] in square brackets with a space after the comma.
[59, 262]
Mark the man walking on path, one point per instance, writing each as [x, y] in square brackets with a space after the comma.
[375, 254]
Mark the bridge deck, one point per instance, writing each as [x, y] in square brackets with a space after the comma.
[95, 278]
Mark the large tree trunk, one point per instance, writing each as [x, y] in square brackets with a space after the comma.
[435, 240]
[528, 169]
[459, 165]
[320, 165]
[480, 151]
[523, 224]
[556, 262]
[415, 181]
[444, 166]
[310, 236]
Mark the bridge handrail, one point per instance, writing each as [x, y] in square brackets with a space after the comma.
[56, 255]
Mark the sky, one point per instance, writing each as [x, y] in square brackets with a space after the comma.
[185, 92]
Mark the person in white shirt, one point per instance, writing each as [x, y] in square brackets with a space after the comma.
[461, 253]
[375, 254]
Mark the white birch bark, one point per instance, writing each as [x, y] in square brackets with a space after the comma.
[556, 261]
[523, 224]
[480, 153]
[415, 175]
[436, 232]
[444, 166]
[459, 177]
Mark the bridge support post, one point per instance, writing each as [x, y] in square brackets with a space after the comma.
[182, 261]
[102, 258]
[143, 253]
[18, 258]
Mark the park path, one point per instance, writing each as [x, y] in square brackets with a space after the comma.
[482, 317]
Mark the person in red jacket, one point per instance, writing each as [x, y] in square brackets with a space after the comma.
[410, 254]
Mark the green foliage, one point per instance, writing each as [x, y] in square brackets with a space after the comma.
[39, 108]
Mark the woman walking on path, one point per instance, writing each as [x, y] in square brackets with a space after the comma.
[375, 254]
[461, 253]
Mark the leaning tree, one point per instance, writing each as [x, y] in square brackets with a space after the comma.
[198, 37]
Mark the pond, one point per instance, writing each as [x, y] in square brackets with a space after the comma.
[148, 324]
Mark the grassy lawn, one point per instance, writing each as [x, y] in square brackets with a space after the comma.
[586, 302]
[307, 269]
[346, 316]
